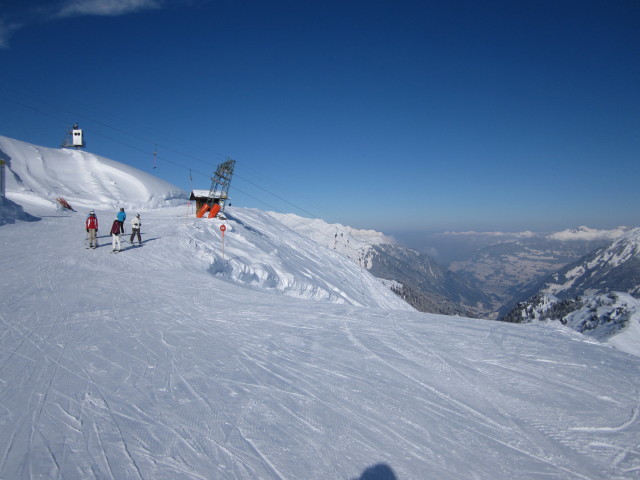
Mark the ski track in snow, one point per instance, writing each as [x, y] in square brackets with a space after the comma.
[110, 368]
[458, 412]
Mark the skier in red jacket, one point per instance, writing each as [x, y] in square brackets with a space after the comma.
[92, 229]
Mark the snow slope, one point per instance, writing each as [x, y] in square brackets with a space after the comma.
[40, 174]
[351, 242]
[175, 360]
[266, 254]
[414, 276]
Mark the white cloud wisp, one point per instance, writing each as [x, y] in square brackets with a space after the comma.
[75, 8]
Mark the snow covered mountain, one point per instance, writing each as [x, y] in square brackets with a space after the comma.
[414, 276]
[596, 295]
[615, 267]
[38, 175]
[507, 270]
[424, 283]
[270, 356]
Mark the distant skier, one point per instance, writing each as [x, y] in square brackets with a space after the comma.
[135, 229]
[122, 216]
[115, 235]
[92, 229]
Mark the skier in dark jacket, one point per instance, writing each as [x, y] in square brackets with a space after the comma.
[115, 235]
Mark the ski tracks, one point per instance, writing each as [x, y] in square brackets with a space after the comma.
[499, 429]
[627, 458]
[448, 400]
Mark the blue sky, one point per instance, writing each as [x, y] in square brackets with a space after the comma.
[390, 115]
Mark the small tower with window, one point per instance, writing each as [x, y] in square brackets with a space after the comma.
[74, 138]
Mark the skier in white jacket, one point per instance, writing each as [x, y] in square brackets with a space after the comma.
[136, 223]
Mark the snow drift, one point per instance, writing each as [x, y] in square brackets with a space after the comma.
[10, 212]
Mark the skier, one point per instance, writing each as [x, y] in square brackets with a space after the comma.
[115, 235]
[91, 225]
[135, 229]
[121, 218]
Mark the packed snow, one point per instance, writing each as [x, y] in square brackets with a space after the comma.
[262, 354]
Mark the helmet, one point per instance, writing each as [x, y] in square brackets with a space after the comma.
[91, 212]
[122, 209]
[138, 215]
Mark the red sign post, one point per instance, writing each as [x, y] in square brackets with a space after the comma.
[222, 229]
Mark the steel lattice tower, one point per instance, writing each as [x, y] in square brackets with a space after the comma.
[220, 183]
